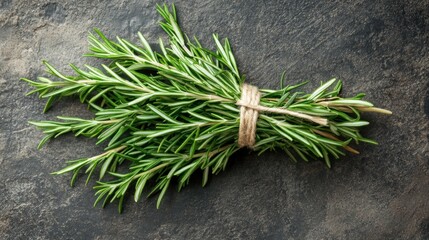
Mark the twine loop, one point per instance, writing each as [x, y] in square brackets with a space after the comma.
[250, 96]
[249, 113]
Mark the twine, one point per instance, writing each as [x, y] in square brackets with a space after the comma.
[249, 112]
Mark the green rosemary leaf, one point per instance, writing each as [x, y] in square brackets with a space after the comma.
[316, 94]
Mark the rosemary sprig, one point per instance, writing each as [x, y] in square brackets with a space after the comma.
[170, 113]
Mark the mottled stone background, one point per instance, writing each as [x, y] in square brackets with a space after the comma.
[377, 47]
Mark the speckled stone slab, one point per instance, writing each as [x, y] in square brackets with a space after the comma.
[376, 47]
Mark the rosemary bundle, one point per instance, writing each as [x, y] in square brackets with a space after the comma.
[165, 115]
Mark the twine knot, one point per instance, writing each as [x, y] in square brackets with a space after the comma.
[249, 113]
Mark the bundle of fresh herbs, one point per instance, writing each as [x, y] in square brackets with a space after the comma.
[167, 114]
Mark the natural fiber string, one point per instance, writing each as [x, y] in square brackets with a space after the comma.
[249, 112]
[250, 96]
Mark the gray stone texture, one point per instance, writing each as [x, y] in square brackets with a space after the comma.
[376, 47]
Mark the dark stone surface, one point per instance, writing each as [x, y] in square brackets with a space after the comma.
[377, 47]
